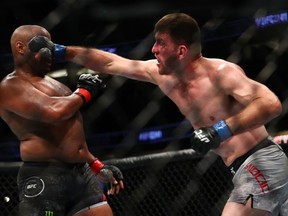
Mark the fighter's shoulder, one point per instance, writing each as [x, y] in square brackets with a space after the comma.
[151, 69]
[9, 78]
[9, 87]
[151, 65]
[11, 82]
[223, 67]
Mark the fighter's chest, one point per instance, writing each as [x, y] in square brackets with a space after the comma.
[195, 93]
[51, 87]
[199, 101]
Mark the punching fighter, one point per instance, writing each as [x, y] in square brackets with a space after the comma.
[227, 110]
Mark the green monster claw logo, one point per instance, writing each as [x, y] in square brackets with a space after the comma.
[49, 213]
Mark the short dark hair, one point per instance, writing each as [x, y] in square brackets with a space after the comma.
[181, 27]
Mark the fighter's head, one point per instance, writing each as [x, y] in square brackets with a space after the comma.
[38, 62]
[182, 28]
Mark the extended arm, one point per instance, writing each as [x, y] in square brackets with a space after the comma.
[98, 60]
[113, 64]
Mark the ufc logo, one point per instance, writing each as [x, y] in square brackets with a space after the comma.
[201, 136]
[31, 186]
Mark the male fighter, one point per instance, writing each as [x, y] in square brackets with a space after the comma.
[227, 109]
[58, 173]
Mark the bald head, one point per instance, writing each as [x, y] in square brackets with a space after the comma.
[25, 33]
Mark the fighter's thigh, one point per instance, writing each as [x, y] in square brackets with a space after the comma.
[237, 209]
[103, 210]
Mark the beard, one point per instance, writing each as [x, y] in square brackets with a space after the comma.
[169, 65]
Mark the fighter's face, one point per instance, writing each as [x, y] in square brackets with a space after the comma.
[44, 60]
[165, 51]
[41, 59]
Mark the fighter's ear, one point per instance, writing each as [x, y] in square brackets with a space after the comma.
[182, 51]
[20, 46]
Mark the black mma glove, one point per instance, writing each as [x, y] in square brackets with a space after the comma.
[46, 47]
[204, 139]
[106, 173]
[117, 174]
[88, 86]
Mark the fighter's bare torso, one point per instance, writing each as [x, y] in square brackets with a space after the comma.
[201, 99]
[205, 90]
[42, 140]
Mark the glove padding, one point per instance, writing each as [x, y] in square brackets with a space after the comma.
[206, 138]
[110, 175]
[39, 42]
[89, 86]
[45, 47]
[107, 173]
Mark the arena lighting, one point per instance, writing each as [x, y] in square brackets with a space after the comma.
[265, 21]
[64, 73]
[165, 133]
[109, 49]
[58, 73]
[150, 135]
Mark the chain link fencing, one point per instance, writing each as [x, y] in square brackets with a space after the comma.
[164, 184]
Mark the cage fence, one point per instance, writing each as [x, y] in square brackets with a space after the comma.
[162, 184]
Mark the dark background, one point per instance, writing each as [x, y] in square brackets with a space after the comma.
[127, 107]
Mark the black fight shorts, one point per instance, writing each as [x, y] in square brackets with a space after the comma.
[56, 189]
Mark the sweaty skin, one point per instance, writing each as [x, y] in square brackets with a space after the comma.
[205, 90]
[41, 111]
[44, 114]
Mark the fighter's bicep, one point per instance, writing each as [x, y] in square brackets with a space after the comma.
[138, 70]
[29, 102]
[236, 84]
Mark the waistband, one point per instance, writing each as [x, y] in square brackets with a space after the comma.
[51, 164]
[238, 162]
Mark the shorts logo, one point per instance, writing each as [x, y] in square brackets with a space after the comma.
[232, 171]
[33, 187]
[259, 177]
[49, 213]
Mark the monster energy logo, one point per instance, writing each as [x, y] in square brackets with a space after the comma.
[49, 213]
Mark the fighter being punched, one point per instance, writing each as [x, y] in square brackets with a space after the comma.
[227, 109]
[44, 115]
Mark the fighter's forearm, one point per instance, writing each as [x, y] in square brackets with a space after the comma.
[255, 115]
[91, 58]
[62, 108]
